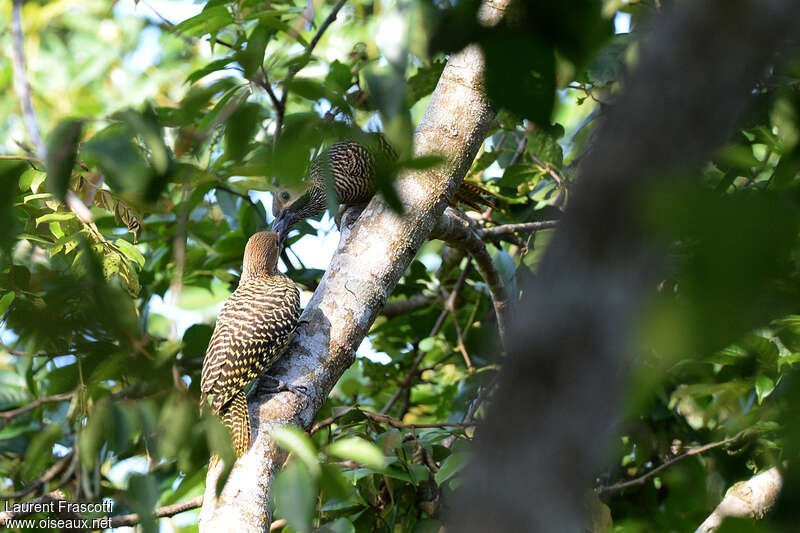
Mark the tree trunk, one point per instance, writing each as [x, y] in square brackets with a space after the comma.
[373, 253]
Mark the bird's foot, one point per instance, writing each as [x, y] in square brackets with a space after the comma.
[278, 385]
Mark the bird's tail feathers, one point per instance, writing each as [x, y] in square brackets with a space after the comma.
[236, 418]
[474, 196]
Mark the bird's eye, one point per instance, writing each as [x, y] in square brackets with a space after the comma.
[285, 196]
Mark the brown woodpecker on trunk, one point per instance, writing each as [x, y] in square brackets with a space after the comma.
[252, 330]
[351, 168]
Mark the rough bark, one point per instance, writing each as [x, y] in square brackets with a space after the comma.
[373, 254]
[544, 433]
[747, 499]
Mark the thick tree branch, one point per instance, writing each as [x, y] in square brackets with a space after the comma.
[371, 258]
[747, 499]
[564, 373]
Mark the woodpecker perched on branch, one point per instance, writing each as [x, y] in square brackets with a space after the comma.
[351, 167]
[252, 331]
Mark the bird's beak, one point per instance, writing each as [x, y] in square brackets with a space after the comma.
[281, 226]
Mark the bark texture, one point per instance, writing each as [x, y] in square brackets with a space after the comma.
[373, 253]
[747, 499]
[544, 433]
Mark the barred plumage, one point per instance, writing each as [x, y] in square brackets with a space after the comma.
[252, 331]
[350, 166]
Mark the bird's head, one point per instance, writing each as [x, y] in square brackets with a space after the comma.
[290, 206]
[261, 254]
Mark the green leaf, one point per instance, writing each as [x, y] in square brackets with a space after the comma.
[296, 441]
[146, 127]
[142, 496]
[211, 20]
[240, 130]
[40, 450]
[340, 525]
[295, 496]
[764, 387]
[427, 344]
[196, 339]
[114, 151]
[423, 82]
[451, 466]
[55, 217]
[359, 450]
[252, 57]
[213, 66]
[130, 251]
[531, 70]
[10, 172]
[62, 148]
[428, 525]
[94, 433]
[543, 142]
[5, 302]
[13, 389]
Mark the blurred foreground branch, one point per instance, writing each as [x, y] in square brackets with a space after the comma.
[577, 326]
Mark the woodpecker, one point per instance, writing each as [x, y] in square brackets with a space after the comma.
[351, 167]
[253, 328]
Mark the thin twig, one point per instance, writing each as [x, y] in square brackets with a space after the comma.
[267, 86]
[281, 107]
[383, 419]
[7, 416]
[169, 510]
[243, 196]
[460, 338]
[406, 382]
[12, 351]
[47, 477]
[19, 158]
[395, 308]
[324, 26]
[547, 168]
[508, 230]
[21, 85]
[660, 468]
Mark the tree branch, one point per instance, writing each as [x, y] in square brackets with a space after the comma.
[8, 415]
[47, 477]
[602, 491]
[383, 419]
[458, 232]
[371, 258]
[507, 231]
[395, 308]
[21, 85]
[281, 105]
[169, 510]
[747, 499]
